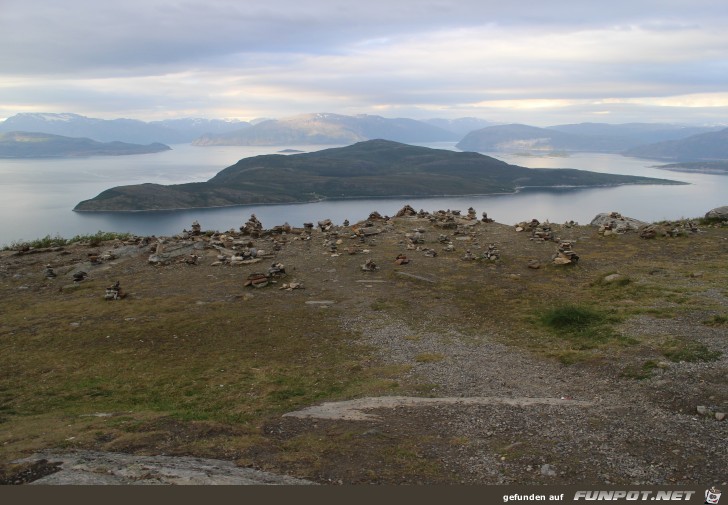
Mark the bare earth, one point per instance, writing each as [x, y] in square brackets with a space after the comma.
[481, 392]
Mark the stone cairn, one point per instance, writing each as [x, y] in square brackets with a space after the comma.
[542, 232]
[668, 229]
[261, 280]
[369, 266]
[406, 211]
[114, 292]
[486, 219]
[565, 254]
[49, 273]
[252, 227]
[401, 259]
[491, 253]
[196, 229]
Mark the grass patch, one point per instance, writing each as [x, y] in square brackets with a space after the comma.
[717, 320]
[93, 240]
[429, 357]
[641, 372]
[572, 318]
[678, 350]
[577, 331]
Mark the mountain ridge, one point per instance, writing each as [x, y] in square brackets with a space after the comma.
[328, 128]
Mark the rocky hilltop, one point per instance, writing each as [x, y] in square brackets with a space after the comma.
[374, 168]
[427, 347]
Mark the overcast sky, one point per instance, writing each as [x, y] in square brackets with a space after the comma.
[540, 62]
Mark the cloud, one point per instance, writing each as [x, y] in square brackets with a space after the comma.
[146, 58]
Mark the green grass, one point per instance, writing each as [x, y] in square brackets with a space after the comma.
[678, 350]
[93, 240]
[717, 320]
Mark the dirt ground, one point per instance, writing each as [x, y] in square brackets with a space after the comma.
[639, 402]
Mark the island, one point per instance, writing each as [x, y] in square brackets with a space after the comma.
[44, 145]
[373, 168]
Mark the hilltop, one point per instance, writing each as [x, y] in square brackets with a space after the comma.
[375, 168]
[430, 347]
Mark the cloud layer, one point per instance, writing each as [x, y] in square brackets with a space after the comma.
[523, 61]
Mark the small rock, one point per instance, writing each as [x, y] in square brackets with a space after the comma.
[702, 410]
[548, 470]
[720, 416]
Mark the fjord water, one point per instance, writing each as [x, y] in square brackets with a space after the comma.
[37, 195]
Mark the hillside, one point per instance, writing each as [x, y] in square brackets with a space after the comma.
[593, 137]
[375, 168]
[478, 361]
[704, 167]
[329, 129]
[43, 145]
[703, 147]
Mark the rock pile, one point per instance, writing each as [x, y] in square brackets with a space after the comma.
[369, 266]
[542, 232]
[565, 254]
[401, 259]
[406, 211]
[49, 273]
[486, 219]
[615, 223]
[114, 292]
[196, 229]
[252, 227]
[491, 253]
[531, 225]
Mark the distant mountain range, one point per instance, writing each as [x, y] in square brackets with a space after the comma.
[649, 140]
[171, 131]
[703, 147]
[374, 168]
[44, 145]
[326, 128]
[590, 137]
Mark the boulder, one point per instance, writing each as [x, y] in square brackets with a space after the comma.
[616, 222]
[718, 213]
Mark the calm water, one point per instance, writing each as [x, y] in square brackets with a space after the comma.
[37, 196]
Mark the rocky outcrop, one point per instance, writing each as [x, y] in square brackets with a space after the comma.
[615, 223]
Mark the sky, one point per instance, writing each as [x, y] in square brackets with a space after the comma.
[539, 62]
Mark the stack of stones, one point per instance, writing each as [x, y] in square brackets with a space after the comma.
[406, 211]
[114, 292]
[565, 254]
[486, 219]
[523, 225]
[324, 225]
[49, 273]
[491, 254]
[196, 229]
[668, 229]
[252, 227]
[471, 214]
[413, 239]
[542, 232]
[369, 266]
